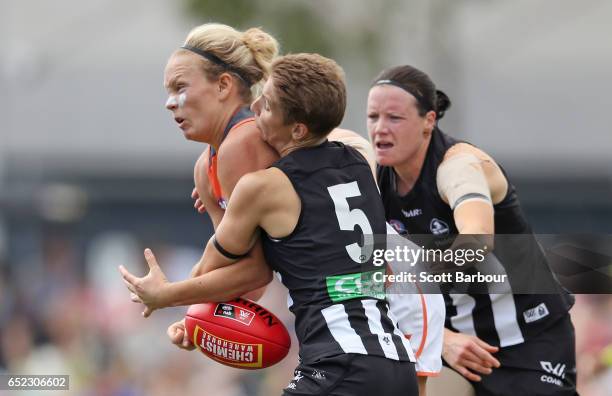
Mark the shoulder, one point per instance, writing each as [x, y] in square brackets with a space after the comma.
[356, 141]
[245, 143]
[262, 182]
[466, 148]
[242, 152]
[262, 189]
[339, 133]
[494, 176]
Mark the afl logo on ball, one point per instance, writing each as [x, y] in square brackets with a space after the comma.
[438, 227]
[233, 312]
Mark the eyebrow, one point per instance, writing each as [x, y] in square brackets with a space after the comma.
[172, 81]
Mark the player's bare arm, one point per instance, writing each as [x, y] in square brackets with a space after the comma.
[258, 201]
[485, 181]
[254, 154]
[477, 184]
[242, 152]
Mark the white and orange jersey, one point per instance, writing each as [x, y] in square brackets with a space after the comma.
[420, 316]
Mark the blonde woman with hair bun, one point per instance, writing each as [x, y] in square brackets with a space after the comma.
[211, 81]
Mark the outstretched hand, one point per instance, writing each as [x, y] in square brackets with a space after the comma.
[149, 289]
[469, 355]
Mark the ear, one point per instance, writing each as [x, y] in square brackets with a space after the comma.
[430, 121]
[224, 85]
[299, 131]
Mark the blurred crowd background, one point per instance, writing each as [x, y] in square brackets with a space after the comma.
[93, 169]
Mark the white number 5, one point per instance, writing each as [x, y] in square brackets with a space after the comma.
[348, 219]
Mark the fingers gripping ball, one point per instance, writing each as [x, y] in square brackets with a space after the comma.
[238, 333]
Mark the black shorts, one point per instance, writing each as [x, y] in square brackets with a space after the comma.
[543, 365]
[353, 375]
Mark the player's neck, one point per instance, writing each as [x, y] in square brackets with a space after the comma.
[219, 128]
[293, 145]
[408, 172]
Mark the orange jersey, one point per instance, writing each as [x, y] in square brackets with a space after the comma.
[241, 117]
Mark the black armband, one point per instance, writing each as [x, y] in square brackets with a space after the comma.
[225, 253]
[471, 197]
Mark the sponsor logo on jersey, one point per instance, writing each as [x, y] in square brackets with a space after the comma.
[398, 226]
[228, 352]
[318, 374]
[557, 370]
[536, 313]
[412, 212]
[438, 227]
[360, 284]
[296, 378]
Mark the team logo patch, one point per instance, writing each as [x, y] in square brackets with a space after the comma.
[536, 313]
[233, 312]
[398, 226]
[438, 227]
[228, 352]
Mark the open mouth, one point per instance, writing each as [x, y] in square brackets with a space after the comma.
[179, 121]
[384, 145]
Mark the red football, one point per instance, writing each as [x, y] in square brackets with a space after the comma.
[238, 333]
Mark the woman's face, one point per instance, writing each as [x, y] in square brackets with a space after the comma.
[192, 98]
[269, 118]
[396, 129]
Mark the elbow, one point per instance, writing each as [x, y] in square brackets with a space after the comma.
[262, 279]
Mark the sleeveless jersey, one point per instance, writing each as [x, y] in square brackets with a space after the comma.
[327, 261]
[500, 318]
[242, 116]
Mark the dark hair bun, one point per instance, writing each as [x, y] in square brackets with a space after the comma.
[443, 103]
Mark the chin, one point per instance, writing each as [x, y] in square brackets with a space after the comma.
[384, 160]
[189, 134]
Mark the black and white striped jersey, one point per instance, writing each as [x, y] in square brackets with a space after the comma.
[327, 261]
[501, 318]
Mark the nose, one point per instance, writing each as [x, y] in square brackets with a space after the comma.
[171, 103]
[378, 127]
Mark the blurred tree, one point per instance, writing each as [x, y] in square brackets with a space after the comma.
[300, 26]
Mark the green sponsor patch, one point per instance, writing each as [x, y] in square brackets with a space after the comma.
[361, 284]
